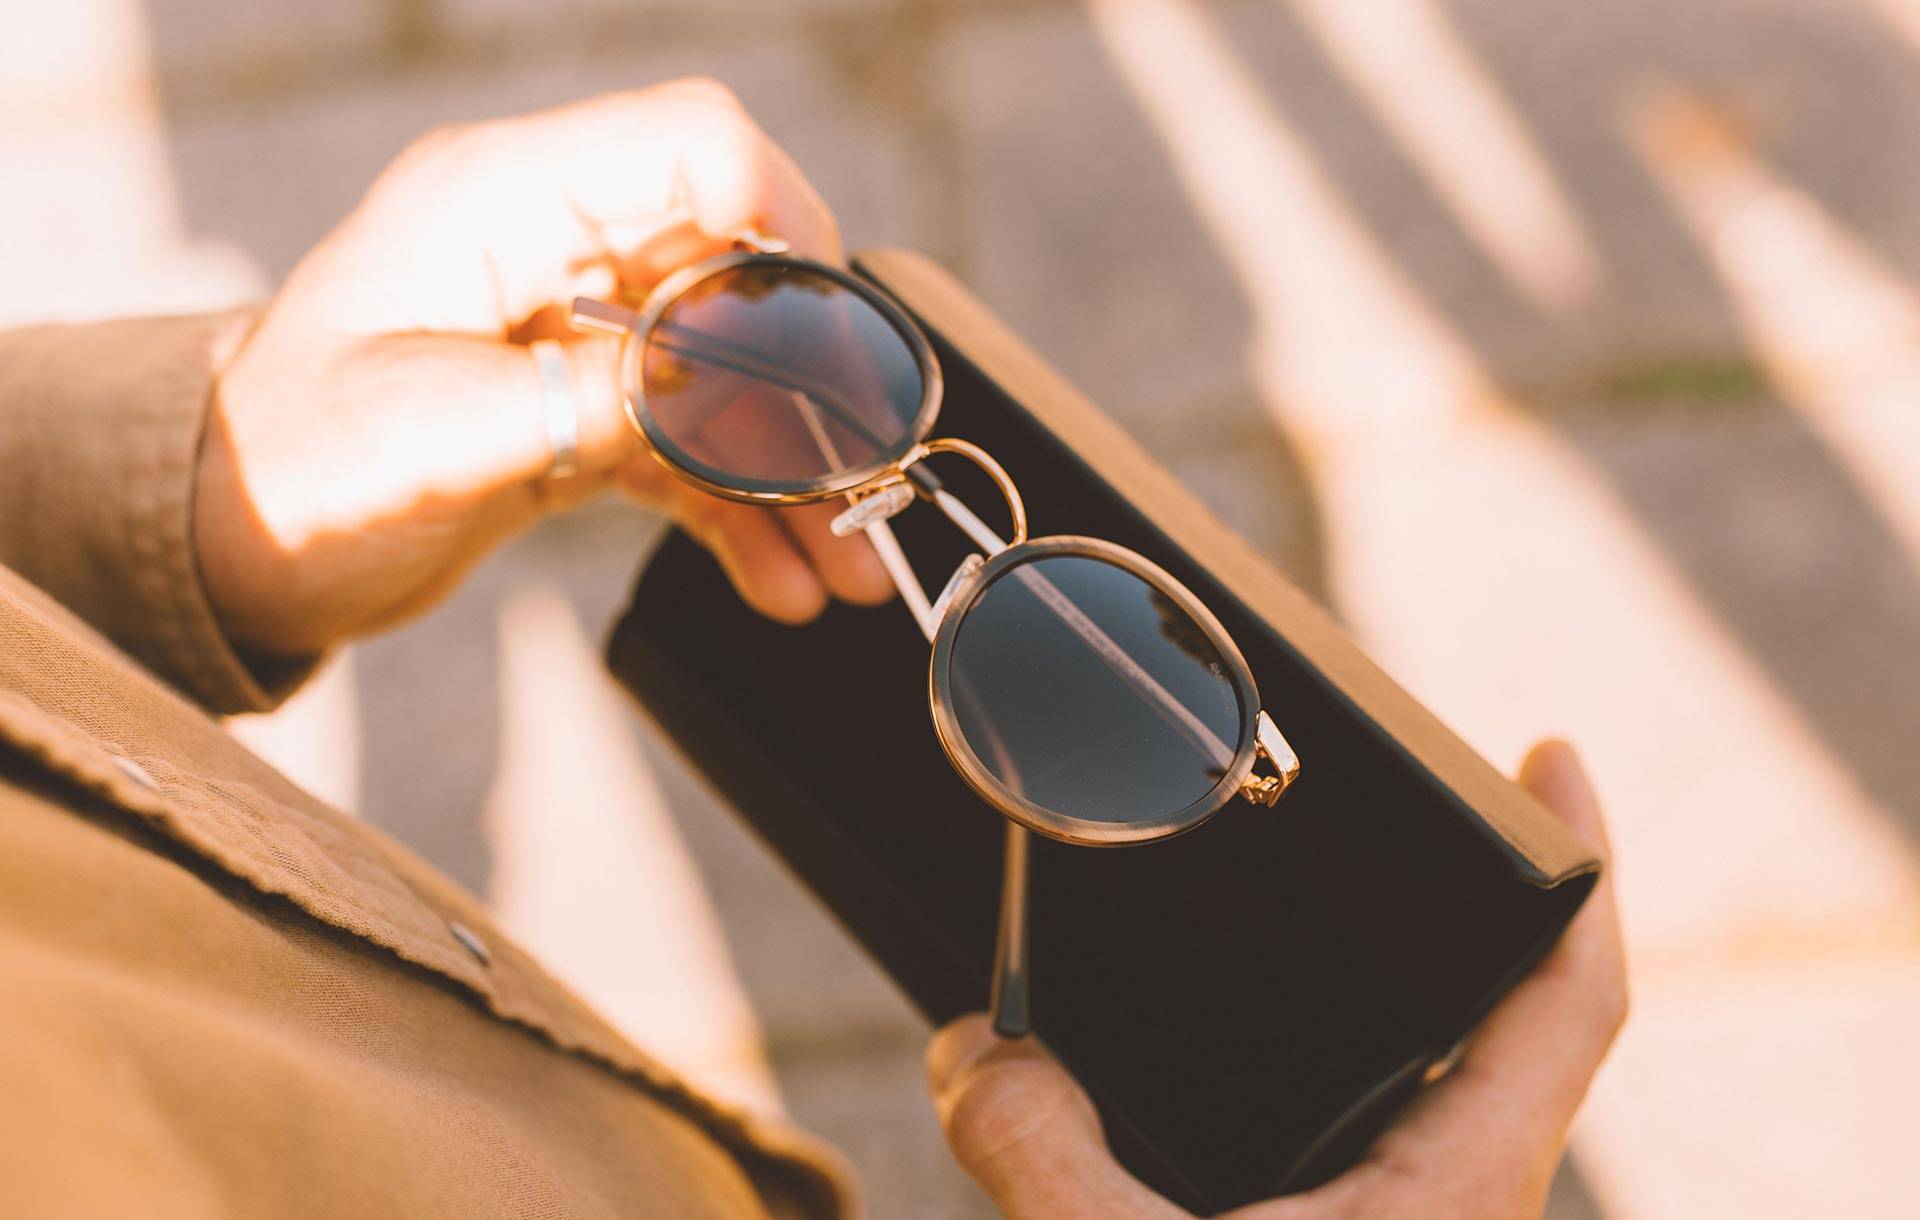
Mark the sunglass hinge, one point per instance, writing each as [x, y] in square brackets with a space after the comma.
[1273, 746]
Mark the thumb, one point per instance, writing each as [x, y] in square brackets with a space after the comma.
[1026, 1132]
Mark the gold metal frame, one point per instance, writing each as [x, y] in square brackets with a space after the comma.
[1259, 736]
[1055, 825]
[636, 328]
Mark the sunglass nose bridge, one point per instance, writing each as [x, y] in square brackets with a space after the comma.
[962, 516]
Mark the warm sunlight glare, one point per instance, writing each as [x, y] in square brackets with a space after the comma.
[1838, 330]
[1406, 60]
[1484, 562]
[90, 178]
[1345, 343]
[1902, 15]
[590, 868]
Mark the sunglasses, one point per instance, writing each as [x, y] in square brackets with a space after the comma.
[1076, 686]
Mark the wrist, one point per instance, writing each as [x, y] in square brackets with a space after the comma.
[226, 537]
[243, 573]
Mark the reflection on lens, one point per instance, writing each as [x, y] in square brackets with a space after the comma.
[769, 376]
[1089, 692]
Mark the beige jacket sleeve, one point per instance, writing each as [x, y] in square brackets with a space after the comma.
[100, 431]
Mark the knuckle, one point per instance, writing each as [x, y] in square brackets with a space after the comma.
[1609, 999]
[707, 93]
[1618, 1007]
[432, 159]
[433, 145]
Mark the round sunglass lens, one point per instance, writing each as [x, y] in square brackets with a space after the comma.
[1090, 692]
[774, 377]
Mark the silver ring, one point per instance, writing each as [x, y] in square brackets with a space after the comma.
[559, 408]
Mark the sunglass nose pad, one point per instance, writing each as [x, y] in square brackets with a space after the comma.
[883, 505]
[961, 575]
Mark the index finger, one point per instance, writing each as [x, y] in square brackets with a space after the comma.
[503, 217]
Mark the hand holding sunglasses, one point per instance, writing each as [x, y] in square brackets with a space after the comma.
[380, 427]
[1077, 687]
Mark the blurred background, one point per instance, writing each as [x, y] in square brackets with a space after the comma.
[1571, 352]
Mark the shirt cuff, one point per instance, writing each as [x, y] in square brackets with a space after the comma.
[185, 642]
[110, 418]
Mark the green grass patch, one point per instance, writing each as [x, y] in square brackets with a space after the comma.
[1700, 380]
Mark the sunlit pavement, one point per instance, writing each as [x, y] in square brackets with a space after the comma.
[1572, 352]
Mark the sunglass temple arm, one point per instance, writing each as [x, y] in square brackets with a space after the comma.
[1009, 997]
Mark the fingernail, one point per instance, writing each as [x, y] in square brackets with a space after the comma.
[1554, 773]
[1550, 763]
